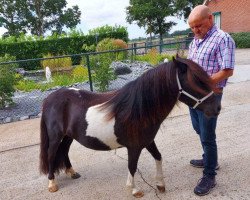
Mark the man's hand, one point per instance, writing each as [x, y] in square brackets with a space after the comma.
[221, 75]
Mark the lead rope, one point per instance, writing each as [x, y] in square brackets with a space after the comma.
[181, 91]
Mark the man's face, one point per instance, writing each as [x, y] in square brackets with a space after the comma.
[200, 26]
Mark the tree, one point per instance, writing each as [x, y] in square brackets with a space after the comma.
[12, 16]
[184, 7]
[152, 14]
[37, 16]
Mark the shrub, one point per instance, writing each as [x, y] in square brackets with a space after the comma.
[7, 81]
[108, 44]
[103, 74]
[79, 73]
[56, 64]
[153, 57]
[31, 47]
[242, 40]
[58, 80]
[120, 44]
[26, 85]
[89, 48]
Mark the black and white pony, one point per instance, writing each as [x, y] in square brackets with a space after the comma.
[129, 117]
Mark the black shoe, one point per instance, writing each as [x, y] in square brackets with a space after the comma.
[200, 164]
[205, 185]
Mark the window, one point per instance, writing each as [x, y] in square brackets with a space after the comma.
[217, 19]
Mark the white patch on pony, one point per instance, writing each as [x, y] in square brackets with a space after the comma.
[52, 186]
[70, 172]
[76, 89]
[101, 128]
[159, 174]
[131, 183]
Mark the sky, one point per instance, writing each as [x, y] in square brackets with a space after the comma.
[96, 13]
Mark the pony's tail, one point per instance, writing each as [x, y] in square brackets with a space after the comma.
[44, 145]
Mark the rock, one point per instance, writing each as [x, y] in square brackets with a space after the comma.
[121, 68]
[7, 119]
[20, 71]
[24, 118]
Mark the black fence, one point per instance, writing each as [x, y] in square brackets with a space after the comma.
[80, 71]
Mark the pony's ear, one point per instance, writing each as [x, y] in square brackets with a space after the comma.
[180, 65]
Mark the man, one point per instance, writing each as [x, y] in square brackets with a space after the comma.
[214, 51]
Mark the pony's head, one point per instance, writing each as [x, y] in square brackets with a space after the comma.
[195, 87]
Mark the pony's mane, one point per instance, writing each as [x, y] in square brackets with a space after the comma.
[143, 99]
[152, 96]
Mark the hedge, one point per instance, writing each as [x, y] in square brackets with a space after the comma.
[242, 40]
[57, 46]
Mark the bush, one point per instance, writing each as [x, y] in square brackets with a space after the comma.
[153, 57]
[80, 72]
[57, 64]
[7, 81]
[242, 40]
[103, 74]
[58, 80]
[108, 44]
[31, 47]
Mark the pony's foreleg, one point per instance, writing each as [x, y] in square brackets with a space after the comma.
[133, 157]
[160, 184]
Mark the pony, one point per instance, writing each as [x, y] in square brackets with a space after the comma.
[128, 117]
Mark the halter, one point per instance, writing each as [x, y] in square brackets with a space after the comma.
[181, 91]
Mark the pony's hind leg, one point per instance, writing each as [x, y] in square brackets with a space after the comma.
[66, 142]
[160, 184]
[133, 157]
[52, 151]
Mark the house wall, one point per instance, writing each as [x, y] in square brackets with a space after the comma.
[235, 14]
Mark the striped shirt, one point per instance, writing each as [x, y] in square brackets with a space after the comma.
[215, 52]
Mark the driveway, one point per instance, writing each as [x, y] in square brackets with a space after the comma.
[104, 173]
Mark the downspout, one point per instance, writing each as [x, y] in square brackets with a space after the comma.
[205, 2]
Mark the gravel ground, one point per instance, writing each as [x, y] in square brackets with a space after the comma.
[28, 104]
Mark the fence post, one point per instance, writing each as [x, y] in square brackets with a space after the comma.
[134, 46]
[161, 45]
[132, 53]
[89, 73]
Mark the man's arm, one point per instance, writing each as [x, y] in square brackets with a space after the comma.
[221, 75]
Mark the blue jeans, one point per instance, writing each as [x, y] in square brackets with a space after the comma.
[205, 128]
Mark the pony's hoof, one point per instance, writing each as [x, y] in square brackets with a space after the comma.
[161, 188]
[138, 194]
[75, 175]
[53, 188]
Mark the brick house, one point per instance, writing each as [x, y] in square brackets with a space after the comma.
[232, 16]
